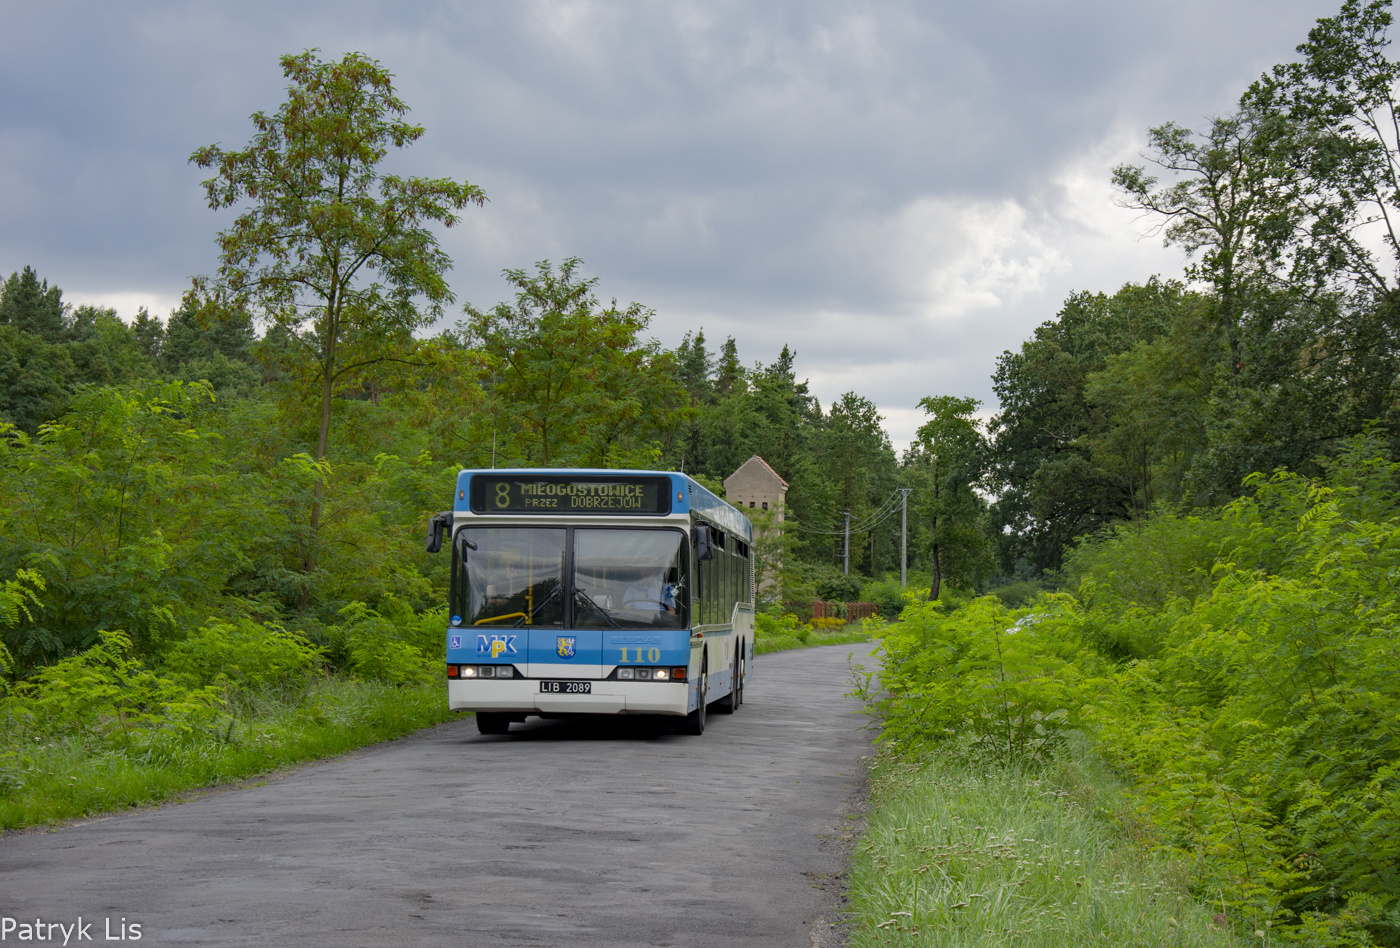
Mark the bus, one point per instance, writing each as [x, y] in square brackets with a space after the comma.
[595, 592]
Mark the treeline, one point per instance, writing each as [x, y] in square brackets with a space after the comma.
[158, 474]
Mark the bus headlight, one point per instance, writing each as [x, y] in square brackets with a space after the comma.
[481, 671]
[634, 673]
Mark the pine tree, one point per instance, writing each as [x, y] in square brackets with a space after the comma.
[33, 306]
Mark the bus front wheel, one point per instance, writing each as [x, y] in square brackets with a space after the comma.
[694, 723]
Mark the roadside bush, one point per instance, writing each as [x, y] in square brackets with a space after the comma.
[1001, 684]
[108, 693]
[377, 648]
[780, 630]
[887, 594]
[425, 631]
[1020, 593]
[243, 652]
[838, 587]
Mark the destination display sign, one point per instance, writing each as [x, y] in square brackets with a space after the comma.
[562, 494]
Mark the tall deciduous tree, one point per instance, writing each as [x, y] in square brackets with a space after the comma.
[1222, 202]
[1338, 136]
[330, 249]
[945, 460]
[570, 378]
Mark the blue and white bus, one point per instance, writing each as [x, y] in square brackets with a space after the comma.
[595, 592]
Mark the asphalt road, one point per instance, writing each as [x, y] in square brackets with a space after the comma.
[559, 833]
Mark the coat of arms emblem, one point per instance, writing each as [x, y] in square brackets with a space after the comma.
[566, 644]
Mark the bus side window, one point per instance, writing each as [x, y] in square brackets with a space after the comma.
[744, 572]
[707, 610]
[730, 576]
[734, 577]
[698, 596]
[717, 586]
[717, 600]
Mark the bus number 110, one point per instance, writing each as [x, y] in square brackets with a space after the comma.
[653, 655]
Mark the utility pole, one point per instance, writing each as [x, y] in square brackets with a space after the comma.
[847, 569]
[903, 535]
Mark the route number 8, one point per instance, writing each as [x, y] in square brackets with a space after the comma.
[502, 494]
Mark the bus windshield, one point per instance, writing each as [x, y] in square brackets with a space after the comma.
[622, 578]
[513, 577]
[630, 579]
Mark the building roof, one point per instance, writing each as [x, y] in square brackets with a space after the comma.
[766, 466]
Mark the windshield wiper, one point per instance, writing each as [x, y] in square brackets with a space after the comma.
[542, 603]
[607, 616]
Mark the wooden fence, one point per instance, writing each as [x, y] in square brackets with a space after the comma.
[855, 611]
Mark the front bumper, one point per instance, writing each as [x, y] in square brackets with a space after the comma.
[522, 695]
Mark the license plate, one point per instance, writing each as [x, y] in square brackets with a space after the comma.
[566, 687]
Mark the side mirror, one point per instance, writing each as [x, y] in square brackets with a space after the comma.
[437, 527]
[704, 548]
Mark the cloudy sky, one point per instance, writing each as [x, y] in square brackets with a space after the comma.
[899, 191]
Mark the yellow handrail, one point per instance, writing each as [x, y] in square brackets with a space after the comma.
[508, 615]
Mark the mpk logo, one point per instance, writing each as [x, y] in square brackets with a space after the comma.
[566, 645]
[496, 645]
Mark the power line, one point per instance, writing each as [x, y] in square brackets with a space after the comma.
[879, 516]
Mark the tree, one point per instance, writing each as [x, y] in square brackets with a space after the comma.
[32, 306]
[1293, 205]
[729, 374]
[1337, 125]
[149, 333]
[947, 453]
[331, 250]
[694, 366]
[854, 456]
[569, 379]
[1222, 202]
[1057, 460]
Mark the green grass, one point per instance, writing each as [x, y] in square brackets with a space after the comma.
[75, 776]
[847, 634]
[960, 855]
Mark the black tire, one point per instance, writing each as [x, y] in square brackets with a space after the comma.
[730, 702]
[694, 722]
[492, 722]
